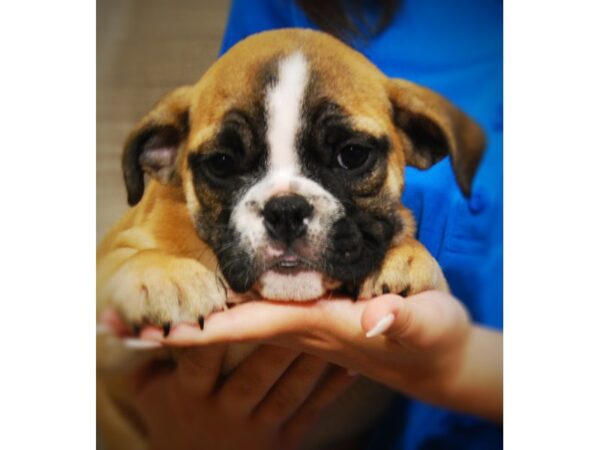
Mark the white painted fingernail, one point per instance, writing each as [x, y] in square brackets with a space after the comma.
[140, 344]
[384, 323]
[103, 329]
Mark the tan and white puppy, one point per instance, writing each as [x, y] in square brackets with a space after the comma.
[278, 175]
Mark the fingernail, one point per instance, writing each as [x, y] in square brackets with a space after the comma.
[380, 327]
[102, 328]
[140, 344]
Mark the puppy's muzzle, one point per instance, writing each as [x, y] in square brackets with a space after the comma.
[286, 217]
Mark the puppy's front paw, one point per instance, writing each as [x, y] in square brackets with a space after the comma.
[406, 270]
[155, 288]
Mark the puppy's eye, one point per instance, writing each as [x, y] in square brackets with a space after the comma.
[352, 156]
[221, 165]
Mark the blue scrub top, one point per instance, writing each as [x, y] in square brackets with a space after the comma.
[454, 48]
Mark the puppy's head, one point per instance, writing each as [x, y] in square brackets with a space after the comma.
[291, 152]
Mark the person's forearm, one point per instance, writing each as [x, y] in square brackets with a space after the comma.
[477, 387]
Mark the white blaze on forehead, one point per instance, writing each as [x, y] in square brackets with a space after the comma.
[284, 104]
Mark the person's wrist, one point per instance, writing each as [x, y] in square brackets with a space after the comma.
[458, 364]
[470, 386]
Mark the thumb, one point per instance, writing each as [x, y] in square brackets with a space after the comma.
[416, 320]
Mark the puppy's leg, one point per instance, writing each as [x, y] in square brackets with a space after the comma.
[408, 268]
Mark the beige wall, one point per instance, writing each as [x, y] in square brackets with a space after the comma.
[145, 48]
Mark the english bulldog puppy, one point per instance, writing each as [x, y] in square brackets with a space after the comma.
[278, 176]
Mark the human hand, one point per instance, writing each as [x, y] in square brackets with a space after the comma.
[269, 401]
[424, 346]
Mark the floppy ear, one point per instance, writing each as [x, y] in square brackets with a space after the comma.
[152, 147]
[436, 128]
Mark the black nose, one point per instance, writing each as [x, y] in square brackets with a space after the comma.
[284, 217]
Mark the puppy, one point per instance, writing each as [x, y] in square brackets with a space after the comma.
[278, 175]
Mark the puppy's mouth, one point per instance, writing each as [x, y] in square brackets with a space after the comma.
[291, 277]
[291, 264]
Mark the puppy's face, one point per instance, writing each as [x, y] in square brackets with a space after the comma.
[291, 151]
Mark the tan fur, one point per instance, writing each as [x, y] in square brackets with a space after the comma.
[152, 266]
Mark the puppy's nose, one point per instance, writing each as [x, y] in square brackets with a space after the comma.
[284, 217]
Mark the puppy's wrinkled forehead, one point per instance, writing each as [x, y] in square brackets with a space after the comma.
[297, 91]
[278, 84]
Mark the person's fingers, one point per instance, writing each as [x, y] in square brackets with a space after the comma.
[336, 382]
[150, 371]
[110, 322]
[291, 390]
[253, 321]
[420, 320]
[262, 320]
[151, 333]
[151, 386]
[252, 380]
[198, 369]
